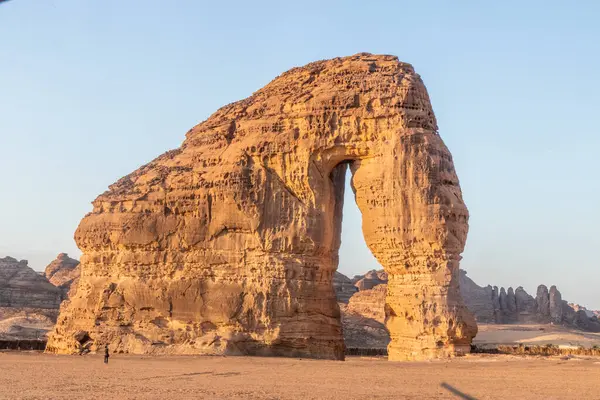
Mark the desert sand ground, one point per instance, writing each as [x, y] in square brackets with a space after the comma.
[41, 376]
[32, 375]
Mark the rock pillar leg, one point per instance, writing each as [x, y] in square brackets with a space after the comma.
[425, 315]
[415, 223]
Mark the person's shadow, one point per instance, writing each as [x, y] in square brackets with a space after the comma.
[457, 392]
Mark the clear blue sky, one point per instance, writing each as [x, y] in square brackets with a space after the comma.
[91, 90]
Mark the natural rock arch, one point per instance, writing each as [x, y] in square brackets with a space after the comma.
[228, 245]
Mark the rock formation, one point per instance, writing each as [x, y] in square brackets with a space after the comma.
[363, 319]
[505, 307]
[370, 280]
[22, 287]
[229, 244]
[28, 302]
[526, 306]
[63, 273]
[511, 305]
[344, 289]
[589, 313]
[542, 299]
[479, 299]
[555, 307]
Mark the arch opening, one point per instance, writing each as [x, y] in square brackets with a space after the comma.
[360, 283]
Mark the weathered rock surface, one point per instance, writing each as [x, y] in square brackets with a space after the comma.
[22, 287]
[343, 286]
[63, 273]
[229, 244]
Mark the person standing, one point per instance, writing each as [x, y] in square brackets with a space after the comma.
[106, 355]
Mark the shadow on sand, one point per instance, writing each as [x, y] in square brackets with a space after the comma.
[457, 392]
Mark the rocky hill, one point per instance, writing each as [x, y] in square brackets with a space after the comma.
[588, 312]
[21, 286]
[29, 303]
[491, 305]
[30, 300]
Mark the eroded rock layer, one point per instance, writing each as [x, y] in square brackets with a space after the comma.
[229, 244]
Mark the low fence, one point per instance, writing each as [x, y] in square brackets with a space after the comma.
[22, 344]
[366, 351]
[538, 350]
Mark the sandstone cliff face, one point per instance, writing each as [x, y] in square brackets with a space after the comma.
[22, 287]
[63, 273]
[229, 244]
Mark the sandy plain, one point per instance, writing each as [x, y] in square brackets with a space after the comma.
[29, 375]
[33, 375]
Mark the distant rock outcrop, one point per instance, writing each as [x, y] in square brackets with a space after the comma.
[479, 299]
[589, 313]
[370, 279]
[21, 286]
[343, 286]
[363, 312]
[543, 302]
[363, 319]
[63, 273]
[28, 302]
[555, 305]
[491, 305]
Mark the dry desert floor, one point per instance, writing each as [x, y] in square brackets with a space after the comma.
[31, 375]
